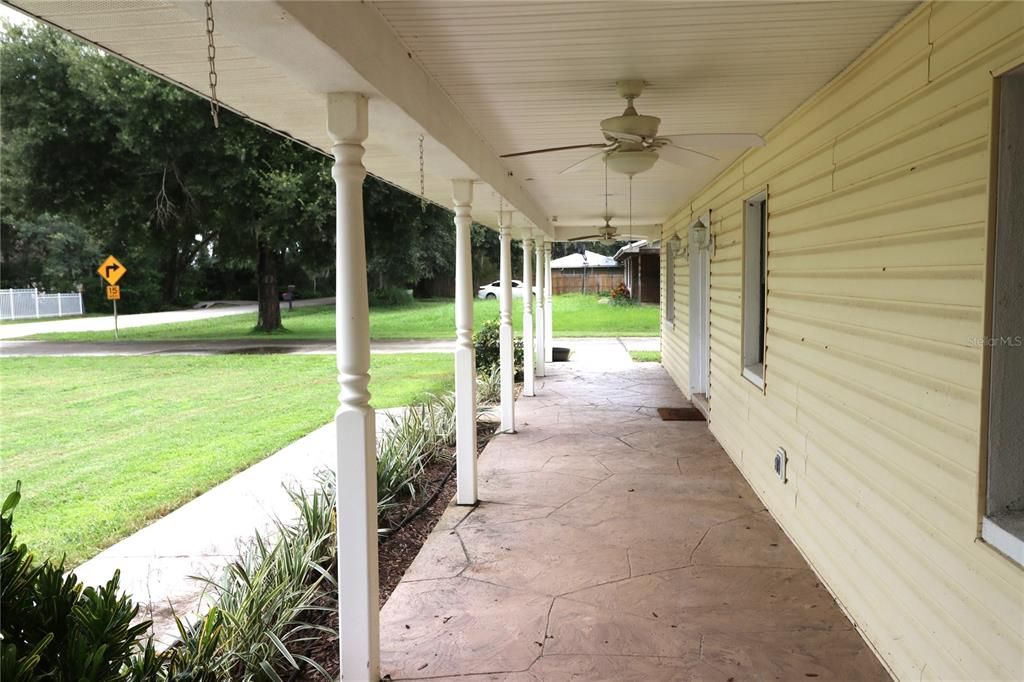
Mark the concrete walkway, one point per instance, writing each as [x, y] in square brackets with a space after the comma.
[106, 323]
[201, 537]
[609, 545]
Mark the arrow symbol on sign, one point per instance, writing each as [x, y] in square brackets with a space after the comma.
[112, 267]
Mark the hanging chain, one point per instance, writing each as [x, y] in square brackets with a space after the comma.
[423, 196]
[606, 217]
[211, 57]
[630, 208]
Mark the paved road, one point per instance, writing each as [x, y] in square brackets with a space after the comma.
[581, 347]
[239, 347]
[98, 324]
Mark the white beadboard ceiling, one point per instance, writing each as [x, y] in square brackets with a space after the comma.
[491, 78]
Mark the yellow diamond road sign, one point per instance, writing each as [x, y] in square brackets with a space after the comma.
[111, 270]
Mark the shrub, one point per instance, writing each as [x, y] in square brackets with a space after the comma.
[620, 295]
[487, 343]
[54, 627]
[410, 442]
[390, 297]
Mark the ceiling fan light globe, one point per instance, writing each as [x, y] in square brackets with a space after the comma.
[631, 162]
[607, 241]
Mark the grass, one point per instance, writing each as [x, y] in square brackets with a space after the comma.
[645, 355]
[106, 444]
[574, 315]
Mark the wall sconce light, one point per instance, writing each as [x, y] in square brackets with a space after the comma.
[700, 235]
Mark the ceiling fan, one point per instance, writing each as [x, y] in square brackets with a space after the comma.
[632, 144]
[606, 235]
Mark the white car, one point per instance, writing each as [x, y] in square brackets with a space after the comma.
[493, 290]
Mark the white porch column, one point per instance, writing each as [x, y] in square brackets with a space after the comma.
[549, 328]
[358, 590]
[528, 388]
[465, 359]
[541, 336]
[505, 335]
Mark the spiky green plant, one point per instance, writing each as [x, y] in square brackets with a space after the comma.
[488, 386]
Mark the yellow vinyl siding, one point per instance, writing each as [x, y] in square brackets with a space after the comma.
[675, 350]
[877, 229]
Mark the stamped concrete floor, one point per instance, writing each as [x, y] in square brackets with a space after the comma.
[609, 545]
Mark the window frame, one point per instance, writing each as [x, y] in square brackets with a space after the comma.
[754, 290]
[999, 529]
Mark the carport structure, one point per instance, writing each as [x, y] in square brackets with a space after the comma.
[433, 96]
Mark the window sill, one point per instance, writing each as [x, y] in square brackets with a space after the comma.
[1005, 532]
[755, 375]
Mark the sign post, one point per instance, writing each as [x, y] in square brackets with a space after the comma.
[112, 270]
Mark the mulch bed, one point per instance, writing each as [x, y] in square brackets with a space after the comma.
[395, 552]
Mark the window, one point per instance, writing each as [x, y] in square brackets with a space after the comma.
[516, 283]
[1003, 525]
[755, 257]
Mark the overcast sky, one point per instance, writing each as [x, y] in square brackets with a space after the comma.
[12, 15]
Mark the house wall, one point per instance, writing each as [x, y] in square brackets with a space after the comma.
[877, 235]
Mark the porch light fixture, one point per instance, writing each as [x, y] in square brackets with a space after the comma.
[700, 235]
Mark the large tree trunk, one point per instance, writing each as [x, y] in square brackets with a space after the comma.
[266, 275]
[171, 284]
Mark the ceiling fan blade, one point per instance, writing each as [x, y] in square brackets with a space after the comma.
[687, 158]
[588, 159]
[556, 149]
[716, 140]
[587, 238]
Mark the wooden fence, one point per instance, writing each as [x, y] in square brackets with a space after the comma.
[574, 281]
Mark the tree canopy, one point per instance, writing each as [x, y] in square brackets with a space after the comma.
[101, 157]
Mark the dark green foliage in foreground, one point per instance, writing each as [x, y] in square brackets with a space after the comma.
[54, 627]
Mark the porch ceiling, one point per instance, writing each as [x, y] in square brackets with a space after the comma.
[483, 79]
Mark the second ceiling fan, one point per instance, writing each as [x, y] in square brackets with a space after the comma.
[632, 144]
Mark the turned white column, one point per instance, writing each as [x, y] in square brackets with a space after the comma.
[358, 590]
[505, 335]
[549, 329]
[465, 360]
[528, 388]
[540, 335]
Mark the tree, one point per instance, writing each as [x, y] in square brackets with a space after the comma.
[129, 164]
[94, 142]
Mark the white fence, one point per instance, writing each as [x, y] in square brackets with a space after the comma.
[21, 304]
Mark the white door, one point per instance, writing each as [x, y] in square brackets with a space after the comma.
[700, 268]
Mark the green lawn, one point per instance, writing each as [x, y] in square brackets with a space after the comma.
[645, 355]
[574, 315]
[105, 444]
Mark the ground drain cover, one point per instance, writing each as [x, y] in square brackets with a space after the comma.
[680, 414]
